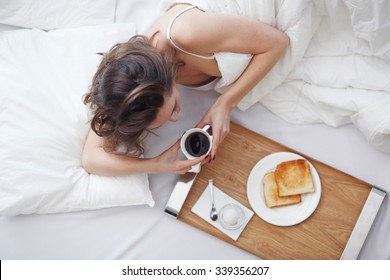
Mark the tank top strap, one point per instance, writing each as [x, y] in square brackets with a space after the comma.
[173, 43]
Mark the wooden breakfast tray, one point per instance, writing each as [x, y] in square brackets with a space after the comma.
[324, 235]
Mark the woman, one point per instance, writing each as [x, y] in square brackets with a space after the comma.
[182, 45]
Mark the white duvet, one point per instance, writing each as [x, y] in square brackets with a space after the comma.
[337, 69]
[344, 74]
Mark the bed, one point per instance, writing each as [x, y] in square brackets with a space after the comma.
[65, 226]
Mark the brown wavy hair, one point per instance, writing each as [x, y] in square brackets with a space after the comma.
[127, 92]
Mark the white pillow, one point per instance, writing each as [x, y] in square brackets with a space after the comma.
[49, 14]
[44, 123]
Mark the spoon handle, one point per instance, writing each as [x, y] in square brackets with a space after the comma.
[211, 185]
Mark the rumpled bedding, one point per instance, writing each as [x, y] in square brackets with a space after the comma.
[336, 70]
[344, 74]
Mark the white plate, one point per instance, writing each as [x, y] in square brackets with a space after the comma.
[284, 215]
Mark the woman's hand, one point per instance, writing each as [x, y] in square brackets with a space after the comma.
[169, 161]
[218, 116]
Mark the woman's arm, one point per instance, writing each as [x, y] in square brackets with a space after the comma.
[97, 161]
[211, 33]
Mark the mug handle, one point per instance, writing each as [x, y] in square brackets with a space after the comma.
[208, 129]
[196, 168]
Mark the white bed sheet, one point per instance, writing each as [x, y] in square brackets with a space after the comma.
[141, 232]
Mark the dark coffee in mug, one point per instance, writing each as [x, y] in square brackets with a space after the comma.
[197, 144]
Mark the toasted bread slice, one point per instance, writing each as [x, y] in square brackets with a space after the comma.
[271, 197]
[294, 177]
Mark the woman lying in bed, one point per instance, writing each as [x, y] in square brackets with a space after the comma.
[134, 88]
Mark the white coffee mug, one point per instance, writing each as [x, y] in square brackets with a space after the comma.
[196, 142]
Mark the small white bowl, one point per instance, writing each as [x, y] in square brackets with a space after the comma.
[231, 216]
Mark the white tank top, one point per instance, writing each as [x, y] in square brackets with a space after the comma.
[231, 65]
[173, 43]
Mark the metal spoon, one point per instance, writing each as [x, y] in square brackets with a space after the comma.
[213, 212]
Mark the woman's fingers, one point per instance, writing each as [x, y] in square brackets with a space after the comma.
[176, 146]
[215, 145]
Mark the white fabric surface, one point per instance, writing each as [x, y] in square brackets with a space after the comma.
[43, 76]
[142, 232]
[343, 76]
[47, 14]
